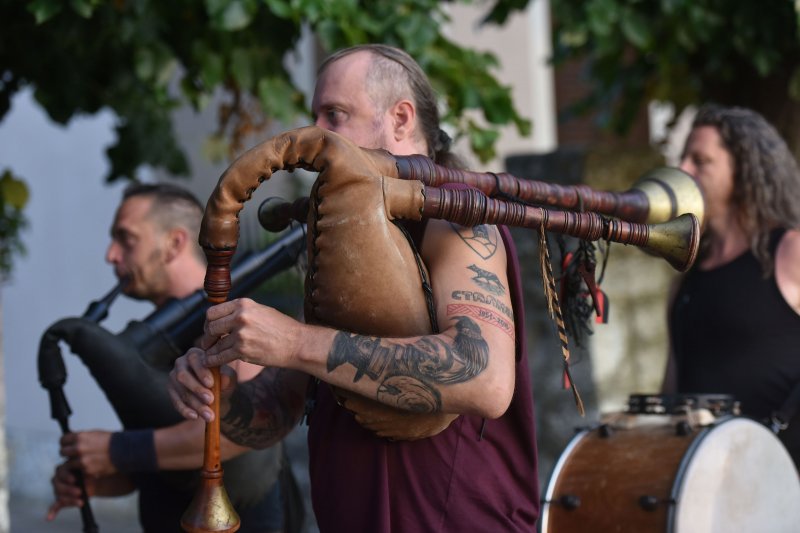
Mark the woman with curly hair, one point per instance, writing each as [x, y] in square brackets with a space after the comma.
[734, 318]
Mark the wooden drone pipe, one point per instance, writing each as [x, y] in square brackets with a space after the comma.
[677, 240]
[660, 195]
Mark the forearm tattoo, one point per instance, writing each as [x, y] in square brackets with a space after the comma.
[409, 375]
[262, 410]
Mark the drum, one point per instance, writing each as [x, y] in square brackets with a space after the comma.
[679, 468]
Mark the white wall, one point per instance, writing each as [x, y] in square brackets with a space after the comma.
[523, 48]
[69, 212]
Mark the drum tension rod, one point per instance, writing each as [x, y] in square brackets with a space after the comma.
[568, 501]
[650, 503]
[683, 428]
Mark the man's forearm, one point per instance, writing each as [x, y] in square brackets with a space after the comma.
[409, 375]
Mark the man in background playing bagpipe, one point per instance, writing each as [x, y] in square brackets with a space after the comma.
[154, 249]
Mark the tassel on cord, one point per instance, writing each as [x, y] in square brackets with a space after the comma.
[580, 295]
[554, 310]
[572, 296]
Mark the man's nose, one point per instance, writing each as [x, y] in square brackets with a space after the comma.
[112, 253]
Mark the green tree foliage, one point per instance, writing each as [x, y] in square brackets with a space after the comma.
[13, 197]
[732, 52]
[144, 58]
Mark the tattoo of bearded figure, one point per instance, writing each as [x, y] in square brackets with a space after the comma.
[409, 374]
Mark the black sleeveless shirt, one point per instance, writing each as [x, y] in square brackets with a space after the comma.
[734, 333]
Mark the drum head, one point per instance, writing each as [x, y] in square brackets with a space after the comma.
[738, 478]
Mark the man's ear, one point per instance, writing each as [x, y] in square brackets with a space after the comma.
[404, 120]
[177, 240]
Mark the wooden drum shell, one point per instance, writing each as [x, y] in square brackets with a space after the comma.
[665, 475]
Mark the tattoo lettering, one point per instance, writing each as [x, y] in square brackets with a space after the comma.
[480, 298]
[482, 239]
[487, 280]
[486, 315]
[408, 374]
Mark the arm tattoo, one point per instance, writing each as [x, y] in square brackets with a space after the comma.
[409, 375]
[487, 280]
[260, 411]
[480, 312]
[486, 315]
[481, 239]
[484, 299]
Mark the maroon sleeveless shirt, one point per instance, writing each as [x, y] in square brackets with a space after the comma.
[456, 481]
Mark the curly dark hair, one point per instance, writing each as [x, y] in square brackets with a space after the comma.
[766, 181]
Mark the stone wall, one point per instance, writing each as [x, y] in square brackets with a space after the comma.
[629, 353]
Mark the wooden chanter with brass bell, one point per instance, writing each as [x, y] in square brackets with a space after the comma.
[211, 509]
